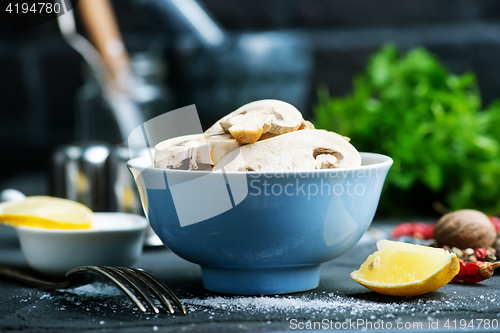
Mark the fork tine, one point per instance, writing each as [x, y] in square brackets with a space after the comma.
[117, 282]
[132, 276]
[162, 287]
[119, 271]
[150, 286]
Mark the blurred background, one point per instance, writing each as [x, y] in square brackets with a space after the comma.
[285, 49]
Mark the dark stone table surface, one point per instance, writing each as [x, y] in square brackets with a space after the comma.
[338, 302]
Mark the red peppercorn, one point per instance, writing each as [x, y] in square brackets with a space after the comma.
[480, 253]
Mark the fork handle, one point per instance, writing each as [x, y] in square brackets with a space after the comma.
[29, 280]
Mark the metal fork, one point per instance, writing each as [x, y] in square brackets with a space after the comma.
[131, 281]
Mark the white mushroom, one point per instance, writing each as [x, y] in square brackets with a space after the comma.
[193, 152]
[215, 129]
[250, 121]
[343, 137]
[220, 146]
[297, 151]
[306, 124]
[266, 136]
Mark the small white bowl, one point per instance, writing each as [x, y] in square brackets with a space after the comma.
[114, 239]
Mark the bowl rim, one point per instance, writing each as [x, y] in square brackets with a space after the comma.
[141, 223]
[143, 163]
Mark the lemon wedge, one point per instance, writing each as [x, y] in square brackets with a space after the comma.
[401, 269]
[46, 212]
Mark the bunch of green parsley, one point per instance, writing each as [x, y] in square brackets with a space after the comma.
[429, 121]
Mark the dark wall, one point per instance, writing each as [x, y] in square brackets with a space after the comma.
[39, 73]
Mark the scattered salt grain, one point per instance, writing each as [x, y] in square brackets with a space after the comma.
[319, 305]
[272, 304]
[96, 288]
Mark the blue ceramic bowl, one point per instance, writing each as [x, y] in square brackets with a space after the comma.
[261, 233]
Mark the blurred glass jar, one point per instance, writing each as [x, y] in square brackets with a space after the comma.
[95, 121]
[96, 175]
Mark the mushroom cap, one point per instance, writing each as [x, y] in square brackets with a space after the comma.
[250, 121]
[191, 152]
[307, 149]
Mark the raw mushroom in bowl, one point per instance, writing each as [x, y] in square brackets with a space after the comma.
[295, 151]
[193, 152]
[249, 122]
[273, 136]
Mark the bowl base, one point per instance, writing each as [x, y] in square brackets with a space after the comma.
[260, 280]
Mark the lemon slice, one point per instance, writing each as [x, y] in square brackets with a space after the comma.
[401, 269]
[46, 212]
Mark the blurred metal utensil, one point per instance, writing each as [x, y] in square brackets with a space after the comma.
[108, 60]
[186, 16]
[67, 26]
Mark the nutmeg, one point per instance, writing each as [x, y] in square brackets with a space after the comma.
[465, 228]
